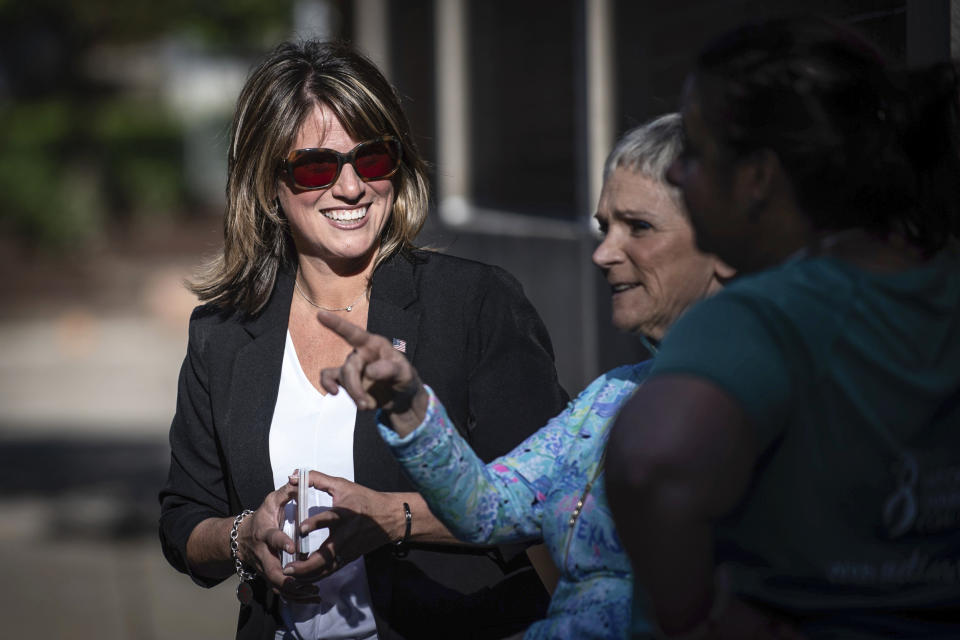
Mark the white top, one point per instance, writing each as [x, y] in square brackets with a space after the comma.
[315, 431]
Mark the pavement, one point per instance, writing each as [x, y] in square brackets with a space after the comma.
[90, 356]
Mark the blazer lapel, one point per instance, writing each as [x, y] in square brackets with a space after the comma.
[395, 314]
[253, 395]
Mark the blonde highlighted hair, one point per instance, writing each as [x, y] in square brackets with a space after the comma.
[277, 98]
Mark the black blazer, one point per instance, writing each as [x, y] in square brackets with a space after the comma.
[473, 337]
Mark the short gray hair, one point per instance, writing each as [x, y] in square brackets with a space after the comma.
[650, 149]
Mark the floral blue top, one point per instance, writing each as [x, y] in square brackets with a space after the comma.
[532, 492]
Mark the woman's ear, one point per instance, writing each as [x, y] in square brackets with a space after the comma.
[723, 272]
[756, 180]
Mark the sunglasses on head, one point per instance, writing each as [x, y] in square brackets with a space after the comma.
[319, 168]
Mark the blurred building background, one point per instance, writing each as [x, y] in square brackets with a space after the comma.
[113, 127]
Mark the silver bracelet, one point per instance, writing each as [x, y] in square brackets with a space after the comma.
[234, 534]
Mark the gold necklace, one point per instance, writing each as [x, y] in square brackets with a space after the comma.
[347, 308]
[583, 498]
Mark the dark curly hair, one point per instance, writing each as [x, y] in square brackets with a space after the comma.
[864, 146]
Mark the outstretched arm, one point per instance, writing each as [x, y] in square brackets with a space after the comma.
[496, 503]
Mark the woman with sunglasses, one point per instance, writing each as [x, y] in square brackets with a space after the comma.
[326, 192]
[800, 429]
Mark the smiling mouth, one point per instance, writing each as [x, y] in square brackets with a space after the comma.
[345, 215]
[620, 288]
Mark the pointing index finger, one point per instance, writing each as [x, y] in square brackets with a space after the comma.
[354, 335]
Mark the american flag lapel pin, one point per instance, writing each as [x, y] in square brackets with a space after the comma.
[400, 345]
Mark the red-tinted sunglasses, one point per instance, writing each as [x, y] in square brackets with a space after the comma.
[319, 168]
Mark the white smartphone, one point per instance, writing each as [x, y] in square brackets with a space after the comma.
[303, 512]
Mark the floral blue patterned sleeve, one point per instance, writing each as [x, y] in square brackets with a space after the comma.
[482, 504]
[550, 486]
